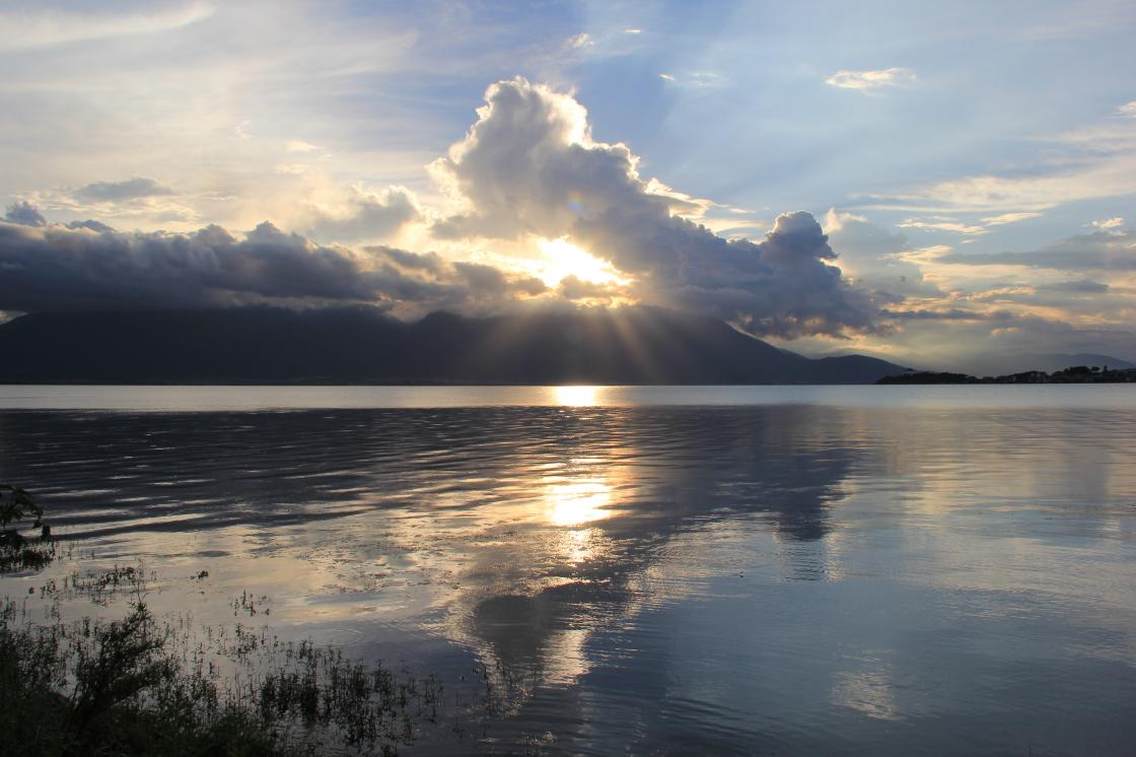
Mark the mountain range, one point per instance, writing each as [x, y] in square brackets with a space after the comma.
[636, 345]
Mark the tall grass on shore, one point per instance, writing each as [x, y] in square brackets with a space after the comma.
[141, 685]
[112, 688]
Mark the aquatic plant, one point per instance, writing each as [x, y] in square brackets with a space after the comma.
[111, 688]
[19, 510]
[143, 686]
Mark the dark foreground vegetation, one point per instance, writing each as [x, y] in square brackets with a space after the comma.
[1081, 374]
[133, 687]
[140, 685]
[18, 512]
[137, 686]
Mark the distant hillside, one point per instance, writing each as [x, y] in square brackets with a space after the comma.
[1081, 374]
[998, 365]
[360, 345]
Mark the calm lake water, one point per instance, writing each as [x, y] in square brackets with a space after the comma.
[789, 570]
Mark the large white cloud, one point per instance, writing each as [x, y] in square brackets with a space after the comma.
[529, 165]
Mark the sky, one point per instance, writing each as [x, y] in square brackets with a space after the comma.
[934, 183]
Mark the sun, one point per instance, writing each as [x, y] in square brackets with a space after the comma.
[563, 259]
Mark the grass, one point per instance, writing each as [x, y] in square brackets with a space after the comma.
[112, 688]
[26, 554]
[141, 686]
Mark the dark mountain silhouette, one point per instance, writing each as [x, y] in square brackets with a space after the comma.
[360, 345]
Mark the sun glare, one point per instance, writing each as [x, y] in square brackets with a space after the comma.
[562, 259]
[576, 396]
[577, 502]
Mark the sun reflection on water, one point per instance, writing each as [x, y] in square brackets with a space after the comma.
[573, 503]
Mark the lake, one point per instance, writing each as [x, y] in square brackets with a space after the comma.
[661, 570]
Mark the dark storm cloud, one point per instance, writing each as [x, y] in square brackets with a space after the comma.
[780, 286]
[529, 166]
[50, 268]
[117, 191]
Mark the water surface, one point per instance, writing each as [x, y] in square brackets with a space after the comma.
[886, 570]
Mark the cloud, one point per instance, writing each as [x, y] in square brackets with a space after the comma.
[529, 166]
[1078, 286]
[870, 81]
[419, 283]
[696, 79]
[1093, 178]
[950, 314]
[952, 226]
[366, 216]
[1108, 223]
[90, 225]
[24, 214]
[974, 229]
[575, 288]
[581, 40]
[1006, 218]
[872, 255]
[41, 28]
[51, 268]
[1100, 250]
[118, 191]
[1128, 109]
[1085, 164]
